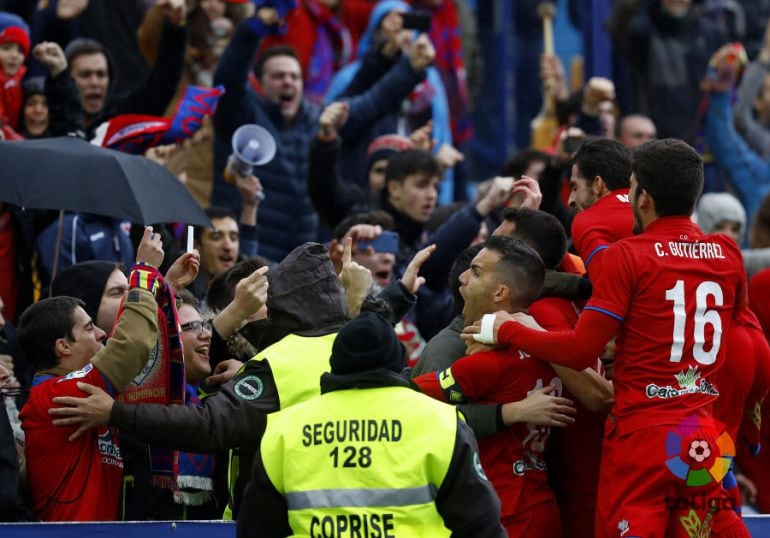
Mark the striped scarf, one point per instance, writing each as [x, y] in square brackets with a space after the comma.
[162, 380]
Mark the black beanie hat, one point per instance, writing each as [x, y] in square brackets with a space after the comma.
[85, 281]
[366, 342]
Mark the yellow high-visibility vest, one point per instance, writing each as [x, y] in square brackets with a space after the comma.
[362, 462]
[297, 363]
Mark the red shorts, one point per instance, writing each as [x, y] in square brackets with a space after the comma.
[540, 521]
[665, 481]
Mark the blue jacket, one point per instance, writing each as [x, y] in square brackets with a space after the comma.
[748, 172]
[84, 237]
[286, 218]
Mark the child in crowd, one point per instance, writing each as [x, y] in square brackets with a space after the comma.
[14, 49]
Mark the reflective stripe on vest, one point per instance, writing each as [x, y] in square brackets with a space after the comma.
[297, 363]
[334, 498]
[367, 460]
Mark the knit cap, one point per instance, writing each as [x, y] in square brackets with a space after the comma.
[13, 29]
[366, 342]
[384, 146]
[715, 207]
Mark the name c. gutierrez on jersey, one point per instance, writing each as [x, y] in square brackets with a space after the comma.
[694, 251]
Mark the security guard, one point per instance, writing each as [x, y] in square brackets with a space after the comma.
[370, 457]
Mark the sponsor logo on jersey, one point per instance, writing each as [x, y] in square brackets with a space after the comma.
[109, 450]
[689, 382]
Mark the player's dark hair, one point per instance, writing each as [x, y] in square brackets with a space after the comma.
[541, 231]
[671, 172]
[607, 159]
[42, 324]
[520, 267]
[462, 263]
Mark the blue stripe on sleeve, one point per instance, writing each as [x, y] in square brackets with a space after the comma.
[603, 311]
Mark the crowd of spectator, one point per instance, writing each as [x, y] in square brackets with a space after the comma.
[368, 211]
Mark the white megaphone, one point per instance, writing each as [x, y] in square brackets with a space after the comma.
[252, 146]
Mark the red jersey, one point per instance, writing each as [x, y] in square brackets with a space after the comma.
[70, 481]
[742, 381]
[575, 452]
[607, 221]
[513, 457]
[675, 291]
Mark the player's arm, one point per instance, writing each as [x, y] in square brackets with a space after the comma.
[468, 379]
[576, 349]
[589, 387]
[476, 378]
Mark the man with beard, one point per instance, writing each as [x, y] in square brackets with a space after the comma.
[599, 193]
[670, 293]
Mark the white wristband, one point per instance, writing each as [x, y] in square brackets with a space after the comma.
[487, 334]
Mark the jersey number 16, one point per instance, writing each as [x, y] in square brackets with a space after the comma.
[702, 318]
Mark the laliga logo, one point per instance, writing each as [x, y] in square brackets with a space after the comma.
[697, 469]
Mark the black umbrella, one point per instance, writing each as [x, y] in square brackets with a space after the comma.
[72, 175]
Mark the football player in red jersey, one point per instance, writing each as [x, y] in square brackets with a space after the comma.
[508, 274]
[601, 171]
[574, 452]
[669, 293]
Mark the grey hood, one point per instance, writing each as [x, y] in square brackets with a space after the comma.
[305, 296]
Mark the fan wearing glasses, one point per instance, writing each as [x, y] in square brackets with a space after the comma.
[196, 338]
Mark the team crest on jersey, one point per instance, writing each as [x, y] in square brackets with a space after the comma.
[689, 382]
[77, 374]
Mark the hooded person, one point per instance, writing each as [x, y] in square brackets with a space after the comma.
[369, 432]
[100, 285]
[721, 212]
[93, 71]
[33, 121]
[304, 299]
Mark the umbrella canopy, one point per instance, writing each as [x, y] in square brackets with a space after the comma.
[70, 174]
